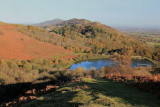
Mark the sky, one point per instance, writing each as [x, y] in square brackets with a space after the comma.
[133, 13]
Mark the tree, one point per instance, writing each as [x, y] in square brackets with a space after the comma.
[104, 51]
[95, 50]
[123, 63]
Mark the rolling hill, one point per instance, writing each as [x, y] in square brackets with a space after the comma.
[15, 45]
[97, 37]
[76, 35]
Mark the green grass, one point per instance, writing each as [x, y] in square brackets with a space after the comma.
[62, 55]
[59, 56]
[157, 38]
[100, 56]
[99, 93]
[152, 43]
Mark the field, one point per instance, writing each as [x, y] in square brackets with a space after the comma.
[151, 37]
[152, 43]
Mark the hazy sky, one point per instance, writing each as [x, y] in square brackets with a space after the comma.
[109, 12]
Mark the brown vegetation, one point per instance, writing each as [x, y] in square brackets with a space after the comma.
[15, 45]
[145, 83]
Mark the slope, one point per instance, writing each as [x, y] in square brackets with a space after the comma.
[14, 44]
[96, 93]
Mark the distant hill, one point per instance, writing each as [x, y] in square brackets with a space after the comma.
[50, 22]
[139, 29]
[60, 22]
[16, 45]
[75, 21]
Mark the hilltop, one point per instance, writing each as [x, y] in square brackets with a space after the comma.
[15, 45]
[50, 22]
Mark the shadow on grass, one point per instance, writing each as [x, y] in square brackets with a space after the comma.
[57, 99]
[127, 95]
[12, 91]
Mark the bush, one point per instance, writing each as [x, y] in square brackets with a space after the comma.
[27, 67]
[12, 64]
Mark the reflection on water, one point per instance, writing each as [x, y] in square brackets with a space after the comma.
[108, 62]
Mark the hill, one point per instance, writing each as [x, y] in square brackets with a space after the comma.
[75, 21]
[81, 35]
[98, 37]
[50, 22]
[15, 45]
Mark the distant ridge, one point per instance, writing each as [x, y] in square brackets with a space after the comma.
[61, 22]
[75, 21]
[50, 22]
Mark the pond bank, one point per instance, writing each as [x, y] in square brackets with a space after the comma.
[156, 63]
[78, 57]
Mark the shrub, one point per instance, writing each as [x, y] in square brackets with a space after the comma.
[12, 64]
[27, 67]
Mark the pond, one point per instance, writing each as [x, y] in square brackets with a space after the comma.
[98, 63]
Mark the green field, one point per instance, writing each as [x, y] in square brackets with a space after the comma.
[152, 43]
[99, 93]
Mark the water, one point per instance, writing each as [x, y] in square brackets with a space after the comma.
[108, 62]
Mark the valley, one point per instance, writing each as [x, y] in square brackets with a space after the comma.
[36, 59]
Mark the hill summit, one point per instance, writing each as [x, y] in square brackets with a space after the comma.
[50, 22]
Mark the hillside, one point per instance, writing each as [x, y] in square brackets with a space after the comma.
[81, 35]
[84, 36]
[95, 93]
[15, 45]
[98, 37]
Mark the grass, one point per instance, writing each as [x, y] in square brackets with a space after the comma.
[157, 38]
[59, 56]
[99, 93]
[62, 55]
[153, 43]
[2, 23]
[100, 56]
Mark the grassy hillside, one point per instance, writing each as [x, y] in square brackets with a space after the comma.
[96, 93]
[15, 45]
